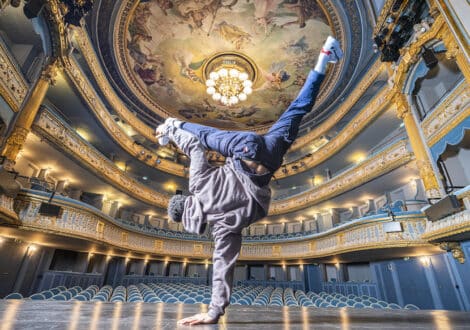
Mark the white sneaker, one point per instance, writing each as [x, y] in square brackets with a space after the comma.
[332, 48]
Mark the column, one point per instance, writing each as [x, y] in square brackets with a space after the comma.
[432, 184]
[26, 115]
[455, 52]
[454, 38]
[24, 267]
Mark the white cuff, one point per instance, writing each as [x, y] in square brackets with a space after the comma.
[173, 122]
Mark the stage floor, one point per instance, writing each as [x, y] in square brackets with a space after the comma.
[20, 314]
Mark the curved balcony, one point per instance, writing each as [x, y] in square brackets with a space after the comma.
[81, 221]
[13, 86]
[383, 162]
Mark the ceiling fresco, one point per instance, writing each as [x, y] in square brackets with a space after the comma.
[168, 44]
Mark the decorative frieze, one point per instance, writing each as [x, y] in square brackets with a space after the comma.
[13, 86]
[448, 114]
[80, 222]
[451, 225]
[6, 207]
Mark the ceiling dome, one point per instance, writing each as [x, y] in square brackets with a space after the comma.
[160, 49]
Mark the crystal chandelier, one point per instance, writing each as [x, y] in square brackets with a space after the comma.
[229, 77]
[229, 86]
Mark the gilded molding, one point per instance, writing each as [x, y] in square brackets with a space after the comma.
[89, 95]
[452, 225]
[384, 13]
[364, 235]
[84, 223]
[13, 86]
[448, 114]
[69, 141]
[86, 49]
[454, 30]
[410, 55]
[6, 208]
[57, 28]
[385, 161]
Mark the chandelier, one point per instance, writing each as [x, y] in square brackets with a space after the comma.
[229, 78]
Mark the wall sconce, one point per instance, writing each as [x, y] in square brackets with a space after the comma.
[32, 248]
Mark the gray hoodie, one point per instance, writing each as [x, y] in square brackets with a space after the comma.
[228, 201]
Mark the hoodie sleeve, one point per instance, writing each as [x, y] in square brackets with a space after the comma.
[226, 251]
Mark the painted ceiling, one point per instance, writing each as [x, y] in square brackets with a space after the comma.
[168, 43]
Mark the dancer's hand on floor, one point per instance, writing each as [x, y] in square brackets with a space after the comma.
[202, 318]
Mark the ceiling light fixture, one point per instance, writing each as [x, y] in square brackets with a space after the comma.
[229, 77]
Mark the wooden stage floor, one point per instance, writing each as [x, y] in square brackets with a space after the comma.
[49, 315]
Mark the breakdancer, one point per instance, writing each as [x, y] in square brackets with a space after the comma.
[231, 197]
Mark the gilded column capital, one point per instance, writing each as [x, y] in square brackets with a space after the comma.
[49, 73]
[401, 104]
[15, 142]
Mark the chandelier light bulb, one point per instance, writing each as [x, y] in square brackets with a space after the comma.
[233, 100]
[223, 73]
[243, 76]
[234, 73]
[224, 99]
[242, 96]
[247, 90]
[216, 96]
[210, 83]
[210, 90]
[213, 76]
[247, 83]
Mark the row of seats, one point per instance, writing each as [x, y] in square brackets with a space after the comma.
[190, 293]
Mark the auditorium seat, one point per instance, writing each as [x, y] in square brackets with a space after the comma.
[411, 306]
[190, 293]
[14, 295]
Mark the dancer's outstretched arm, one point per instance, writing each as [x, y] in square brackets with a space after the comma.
[226, 251]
